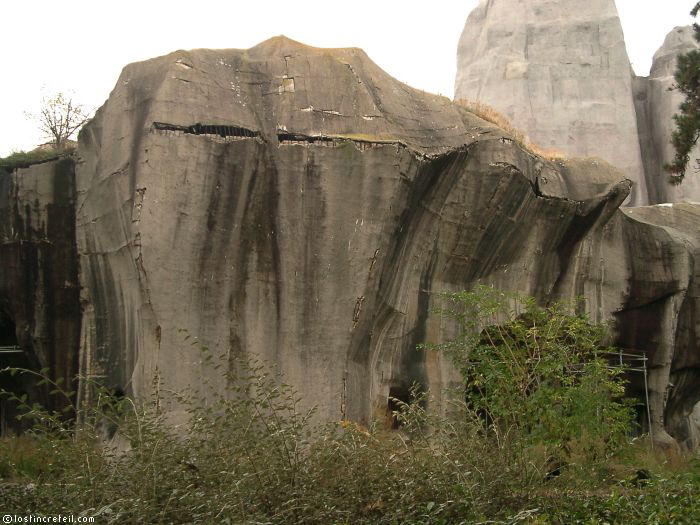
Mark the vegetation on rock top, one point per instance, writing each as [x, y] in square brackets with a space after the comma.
[24, 159]
[492, 115]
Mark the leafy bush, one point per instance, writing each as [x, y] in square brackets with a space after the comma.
[249, 455]
[538, 377]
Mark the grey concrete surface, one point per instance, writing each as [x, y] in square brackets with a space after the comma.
[559, 71]
[656, 104]
[300, 205]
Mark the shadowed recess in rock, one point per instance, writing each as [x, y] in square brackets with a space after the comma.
[207, 129]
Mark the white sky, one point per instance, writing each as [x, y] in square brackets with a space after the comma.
[80, 46]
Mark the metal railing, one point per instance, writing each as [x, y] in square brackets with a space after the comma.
[11, 350]
[635, 363]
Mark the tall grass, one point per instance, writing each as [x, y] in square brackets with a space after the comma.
[249, 454]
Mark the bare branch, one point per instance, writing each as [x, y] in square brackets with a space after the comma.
[60, 118]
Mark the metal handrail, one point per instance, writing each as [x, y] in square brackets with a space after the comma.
[623, 354]
[14, 349]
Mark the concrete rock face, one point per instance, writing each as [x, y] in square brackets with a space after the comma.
[300, 205]
[653, 250]
[656, 104]
[560, 72]
[261, 201]
[661, 319]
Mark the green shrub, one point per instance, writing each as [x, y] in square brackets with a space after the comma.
[539, 379]
[249, 455]
[23, 159]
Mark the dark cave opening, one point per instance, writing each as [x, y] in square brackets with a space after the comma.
[8, 331]
[398, 395]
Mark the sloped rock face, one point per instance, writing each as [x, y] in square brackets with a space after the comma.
[641, 267]
[300, 205]
[268, 228]
[661, 317]
[656, 103]
[39, 288]
[560, 72]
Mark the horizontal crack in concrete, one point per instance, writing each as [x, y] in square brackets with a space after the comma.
[222, 130]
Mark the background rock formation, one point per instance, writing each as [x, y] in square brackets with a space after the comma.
[39, 289]
[560, 72]
[656, 104]
[300, 205]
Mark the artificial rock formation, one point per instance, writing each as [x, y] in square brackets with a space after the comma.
[39, 287]
[560, 72]
[300, 205]
[656, 104]
[660, 314]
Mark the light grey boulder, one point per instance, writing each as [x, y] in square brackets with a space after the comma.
[301, 206]
[560, 72]
[656, 103]
[649, 255]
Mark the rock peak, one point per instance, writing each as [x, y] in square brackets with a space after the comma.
[282, 86]
[656, 102]
[680, 40]
[283, 45]
[279, 45]
[560, 72]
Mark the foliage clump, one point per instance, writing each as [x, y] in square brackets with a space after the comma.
[539, 376]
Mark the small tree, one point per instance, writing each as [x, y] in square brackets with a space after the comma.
[59, 118]
[687, 132]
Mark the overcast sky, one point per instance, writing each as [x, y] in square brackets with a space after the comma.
[80, 46]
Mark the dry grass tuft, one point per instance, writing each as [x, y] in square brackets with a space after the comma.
[490, 114]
